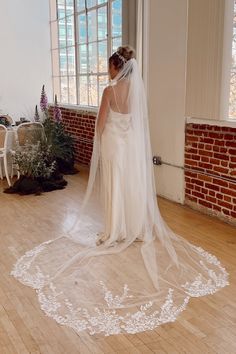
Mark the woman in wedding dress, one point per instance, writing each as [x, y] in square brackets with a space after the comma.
[96, 277]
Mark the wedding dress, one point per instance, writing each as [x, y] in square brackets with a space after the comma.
[140, 274]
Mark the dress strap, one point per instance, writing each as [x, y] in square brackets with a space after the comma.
[116, 100]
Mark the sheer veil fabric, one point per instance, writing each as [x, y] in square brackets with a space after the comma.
[141, 274]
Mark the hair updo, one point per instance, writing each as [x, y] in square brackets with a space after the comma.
[121, 56]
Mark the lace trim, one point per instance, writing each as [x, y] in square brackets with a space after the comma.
[21, 267]
[198, 287]
[108, 320]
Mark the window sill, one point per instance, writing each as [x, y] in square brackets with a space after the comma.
[76, 107]
[220, 123]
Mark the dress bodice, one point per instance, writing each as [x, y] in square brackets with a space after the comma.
[118, 121]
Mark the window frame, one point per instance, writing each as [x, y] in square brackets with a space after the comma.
[55, 50]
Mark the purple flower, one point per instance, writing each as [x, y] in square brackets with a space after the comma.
[43, 101]
[56, 111]
[36, 114]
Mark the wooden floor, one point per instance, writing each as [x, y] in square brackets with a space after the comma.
[207, 326]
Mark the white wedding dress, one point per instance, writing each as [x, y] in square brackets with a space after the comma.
[142, 274]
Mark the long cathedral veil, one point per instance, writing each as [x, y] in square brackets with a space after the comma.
[144, 274]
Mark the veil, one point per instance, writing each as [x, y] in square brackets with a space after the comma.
[142, 274]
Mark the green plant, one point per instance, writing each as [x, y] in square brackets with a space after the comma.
[61, 142]
[35, 160]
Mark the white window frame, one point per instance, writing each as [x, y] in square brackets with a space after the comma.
[124, 39]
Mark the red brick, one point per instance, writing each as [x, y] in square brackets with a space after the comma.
[214, 161]
[205, 159]
[224, 163]
[199, 183]
[191, 174]
[232, 151]
[219, 142]
[216, 135]
[198, 195]
[191, 162]
[200, 145]
[208, 147]
[220, 182]
[230, 144]
[221, 170]
[216, 207]
[225, 204]
[205, 204]
[204, 190]
[232, 186]
[205, 165]
[189, 185]
[226, 211]
[206, 153]
[228, 191]
[212, 186]
[221, 156]
[227, 198]
[228, 137]
[211, 199]
[233, 214]
[206, 140]
[205, 178]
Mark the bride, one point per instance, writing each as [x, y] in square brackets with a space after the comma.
[96, 277]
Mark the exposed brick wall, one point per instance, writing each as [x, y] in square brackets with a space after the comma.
[210, 169]
[80, 124]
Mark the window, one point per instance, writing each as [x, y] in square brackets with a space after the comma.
[84, 33]
[232, 97]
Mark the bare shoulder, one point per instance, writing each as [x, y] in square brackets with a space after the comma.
[107, 92]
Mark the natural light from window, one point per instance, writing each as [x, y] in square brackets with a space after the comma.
[84, 33]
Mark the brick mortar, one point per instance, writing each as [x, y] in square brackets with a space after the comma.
[210, 169]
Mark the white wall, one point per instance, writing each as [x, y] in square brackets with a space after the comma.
[25, 63]
[167, 65]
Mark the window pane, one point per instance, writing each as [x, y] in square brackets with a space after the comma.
[61, 8]
[71, 60]
[116, 42]
[102, 22]
[103, 81]
[62, 33]
[72, 90]
[83, 90]
[70, 31]
[63, 62]
[83, 60]
[93, 67]
[93, 91]
[69, 7]
[82, 28]
[80, 5]
[116, 18]
[64, 90]
[54, 35]
[91, 3]
[92, 26]
[102, 52]
[102, 2]
[56, 87]
[55, 63]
